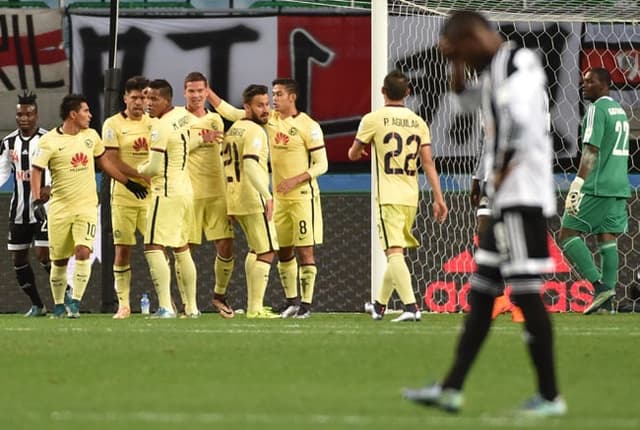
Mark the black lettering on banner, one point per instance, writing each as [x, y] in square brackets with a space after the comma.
[18, 47]
[37, 77]
[134, 45]
[219, 43]
[306, 50]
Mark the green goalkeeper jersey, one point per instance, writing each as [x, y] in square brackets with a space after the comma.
[606, 127]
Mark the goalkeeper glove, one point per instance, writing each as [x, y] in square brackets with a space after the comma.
[138, 190]
[39, 211]
[572, 203]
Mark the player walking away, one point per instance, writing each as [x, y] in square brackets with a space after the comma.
[520, 186]
[398, 137]
[209, 187]
[298, 157]
[126, 140]
[170, 216]
[249, 202]
[597, 198]
[16, 152]
[70, 152]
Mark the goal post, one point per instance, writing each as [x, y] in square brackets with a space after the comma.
[570, 37]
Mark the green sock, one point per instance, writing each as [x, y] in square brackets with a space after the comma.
[609, 261]
[579, 255]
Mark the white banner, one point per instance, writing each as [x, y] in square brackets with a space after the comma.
[413, 49]
[31, 50]
[171, 48]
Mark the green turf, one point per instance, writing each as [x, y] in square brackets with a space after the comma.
[329, 372]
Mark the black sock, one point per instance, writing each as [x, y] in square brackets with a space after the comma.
[539, 341]
[476, 327]
[379, 308]
[304, 307]
[293, 301]
[411, 307]
[27, 282]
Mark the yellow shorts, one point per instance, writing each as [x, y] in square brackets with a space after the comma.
[65, 233]
[298, 222]
[125, 220]
[395, 223]
[211, 218]
[260, 234]
[169, 221]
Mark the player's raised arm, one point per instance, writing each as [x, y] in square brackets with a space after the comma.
[225, 109]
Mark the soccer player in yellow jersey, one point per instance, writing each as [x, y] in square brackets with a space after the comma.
[245, 156]
[398, 137]
[298, 157]
[170, 215]
[69, 152]
[209, 187]
[126, 139]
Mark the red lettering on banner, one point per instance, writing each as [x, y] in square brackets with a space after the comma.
[463, 296]
[47, 49]
[581, 295]
[446, 288]
[554, 295]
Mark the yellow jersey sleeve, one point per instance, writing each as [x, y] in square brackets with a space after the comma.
[44, 152]
[366, 129]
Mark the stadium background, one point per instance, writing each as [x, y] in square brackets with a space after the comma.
[328, 52]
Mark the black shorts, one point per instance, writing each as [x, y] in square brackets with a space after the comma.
[514, 245]
[21, 236]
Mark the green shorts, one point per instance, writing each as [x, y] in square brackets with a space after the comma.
[599, 215]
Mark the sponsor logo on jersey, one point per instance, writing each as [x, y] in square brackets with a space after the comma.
[140, 144]
[281, 138]
[79, 160]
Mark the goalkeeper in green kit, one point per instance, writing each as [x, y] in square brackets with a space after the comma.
[597, 198]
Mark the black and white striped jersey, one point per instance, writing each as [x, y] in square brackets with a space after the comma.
[16, 153]
[518, 149]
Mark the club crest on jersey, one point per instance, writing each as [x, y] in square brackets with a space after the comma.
[140, 144]
[89, 143]
[79, 160]
[293, 131]
[281, 138]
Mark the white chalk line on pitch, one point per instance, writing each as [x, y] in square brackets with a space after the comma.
[301, 329]
[438, 419]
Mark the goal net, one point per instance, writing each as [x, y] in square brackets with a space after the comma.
[571, 37]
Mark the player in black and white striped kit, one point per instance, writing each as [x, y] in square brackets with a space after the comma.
[16, 152]
[521, 196]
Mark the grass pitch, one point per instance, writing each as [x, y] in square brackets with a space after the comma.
[333, 371]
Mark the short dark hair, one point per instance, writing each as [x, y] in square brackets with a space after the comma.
[195, 77]
[71, 103]
[289, 84]
[163, 86]
[602, 74]
[395, 85]
[253, 90]
[461, 21]
[28, 98]
[135, 83]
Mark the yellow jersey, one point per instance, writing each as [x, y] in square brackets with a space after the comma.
[131, 139]
[205, 162]
[170, 135]
[397, 134]
[70, 158]
[245, 139]
[292, 139]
